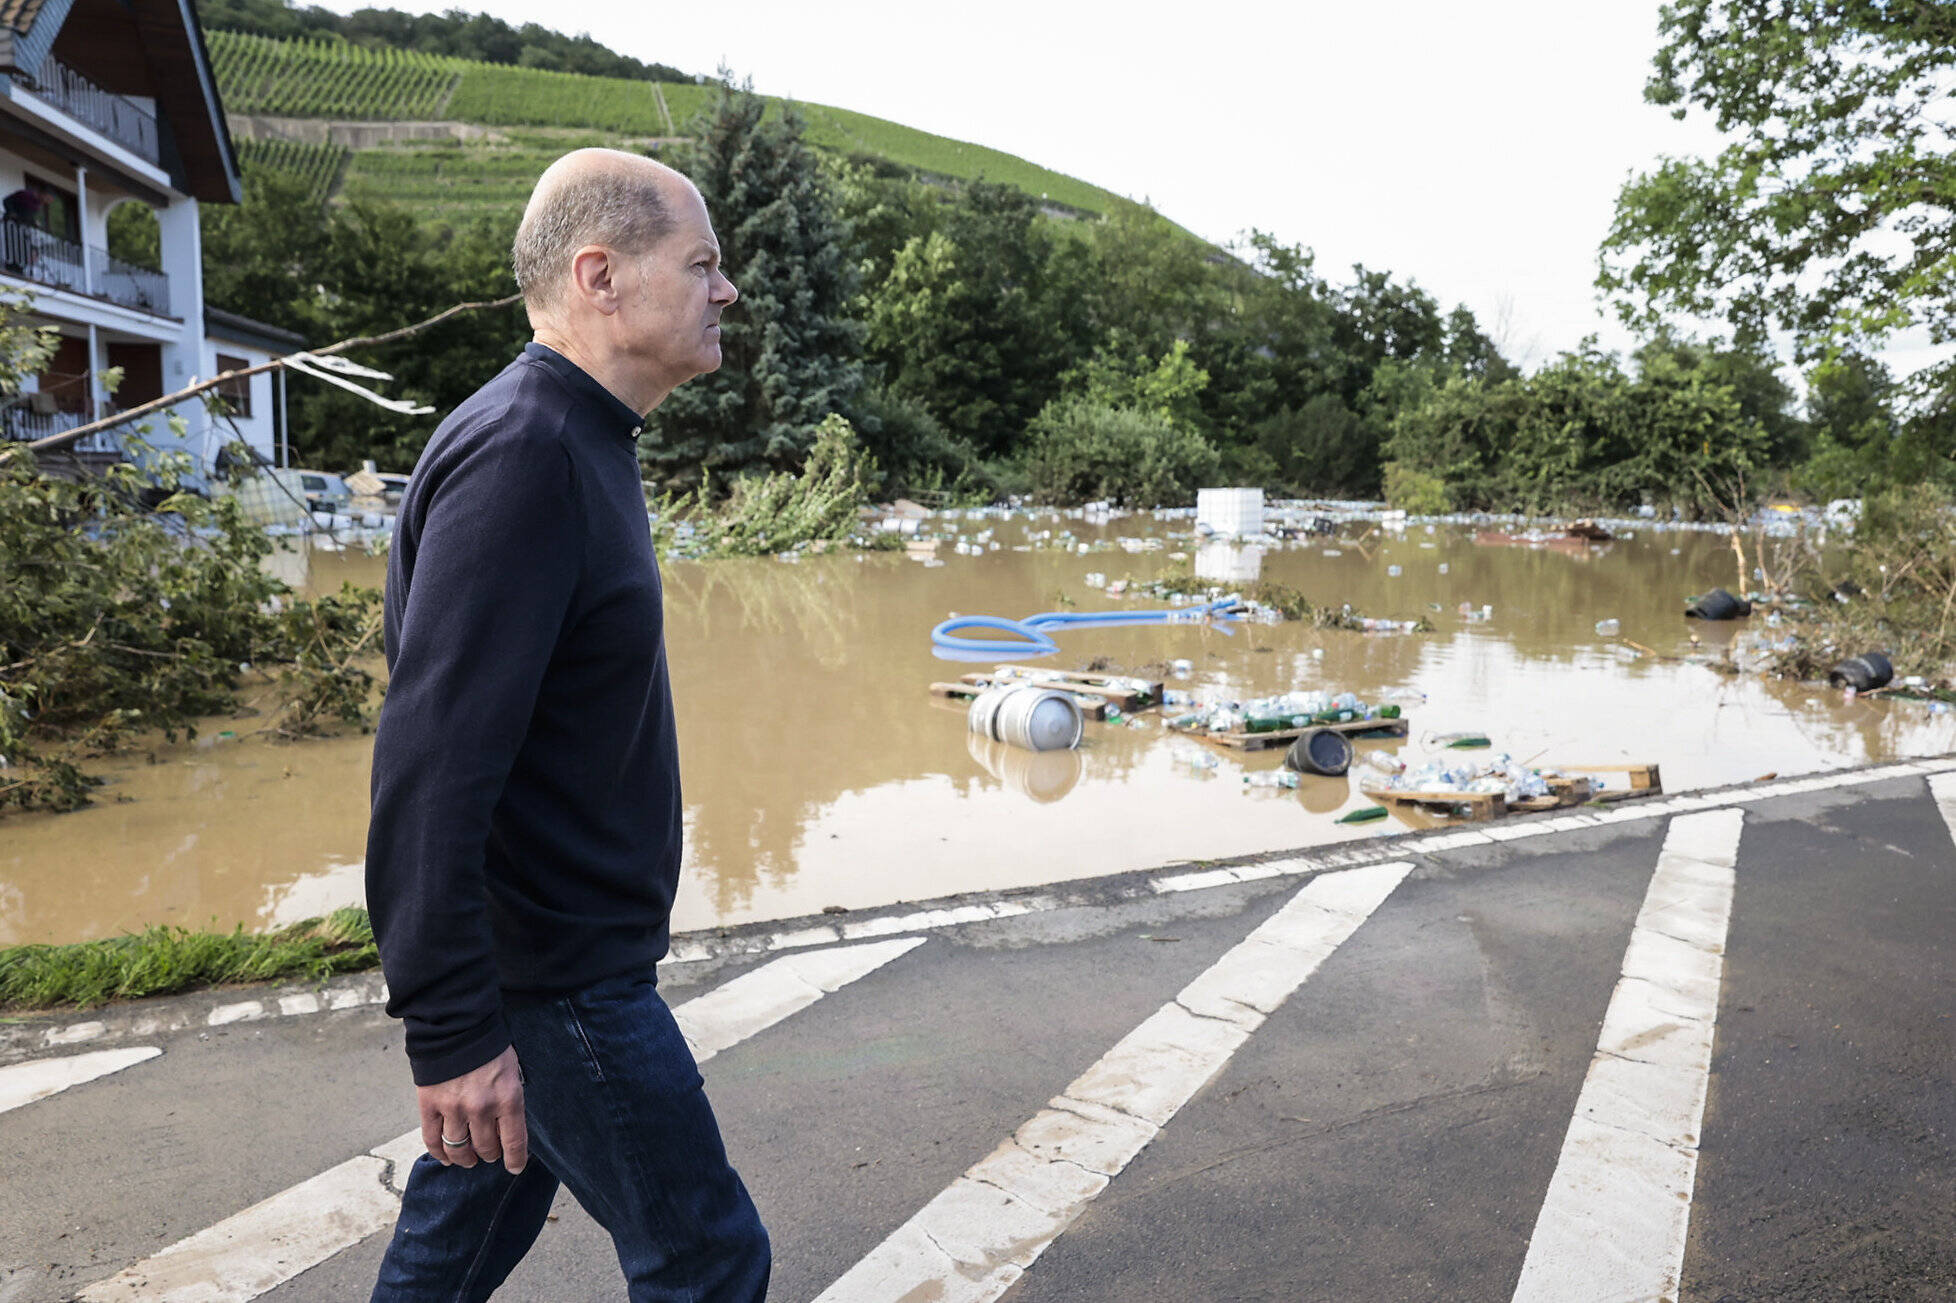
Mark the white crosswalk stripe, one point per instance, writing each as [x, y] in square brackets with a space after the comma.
[274, 1240]
[1943, 788]
[1614, 1213]
[1612, 1228]
[23, 1083]
[972, 1241]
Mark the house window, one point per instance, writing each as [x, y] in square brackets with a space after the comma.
[236, 392]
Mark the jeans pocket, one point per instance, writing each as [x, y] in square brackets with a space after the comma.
[586, 1051]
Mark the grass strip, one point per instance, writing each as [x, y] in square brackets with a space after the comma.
[166, 959]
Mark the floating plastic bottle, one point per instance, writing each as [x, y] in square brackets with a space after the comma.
[1609, 628]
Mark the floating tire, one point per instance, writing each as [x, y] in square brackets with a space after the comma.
[1320, 751]
[1863, 673]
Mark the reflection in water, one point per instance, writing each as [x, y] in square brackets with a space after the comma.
[312, 894]
[817, 771]
[1222, 562]
[1323, 794]
[1045, 776]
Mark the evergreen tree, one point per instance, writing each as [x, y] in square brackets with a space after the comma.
[789, 348]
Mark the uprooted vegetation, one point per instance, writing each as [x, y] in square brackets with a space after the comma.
[1282, 598]
[1890, 588]
[764, 515]
[128, 607]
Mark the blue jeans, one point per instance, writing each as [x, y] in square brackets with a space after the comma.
[616, 1111]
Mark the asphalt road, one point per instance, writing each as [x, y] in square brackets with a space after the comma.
[1391, 1128]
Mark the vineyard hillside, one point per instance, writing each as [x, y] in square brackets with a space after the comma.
[533, 116]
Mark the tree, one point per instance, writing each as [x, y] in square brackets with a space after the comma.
[886, 207]
[979, 320]
[355, 269]
[790, 349]
[1752, 374]
[1832, 214]
[1382, 320]
[1151, 278]
[1851, 399]
[1267, 345]
[1582, 431]
[1323, 447]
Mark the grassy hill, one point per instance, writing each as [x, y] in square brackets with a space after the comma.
[535, 115]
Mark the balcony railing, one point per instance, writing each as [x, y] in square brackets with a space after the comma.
[19, 421]
[121, 120]
[47, 259]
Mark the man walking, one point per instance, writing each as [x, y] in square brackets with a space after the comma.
[525, 840]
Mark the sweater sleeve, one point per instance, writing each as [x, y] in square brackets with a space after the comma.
[494, 568]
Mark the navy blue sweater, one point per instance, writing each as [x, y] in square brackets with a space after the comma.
[526, 810]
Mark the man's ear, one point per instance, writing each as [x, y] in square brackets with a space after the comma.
[592, 277]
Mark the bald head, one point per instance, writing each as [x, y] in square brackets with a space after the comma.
[624, 202]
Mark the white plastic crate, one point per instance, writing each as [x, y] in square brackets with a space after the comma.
[1237, 512]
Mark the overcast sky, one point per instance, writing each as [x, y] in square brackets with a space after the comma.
[1474, 148]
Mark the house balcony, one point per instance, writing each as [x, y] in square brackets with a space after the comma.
[122, 120]
[33, 254]
[24, 420]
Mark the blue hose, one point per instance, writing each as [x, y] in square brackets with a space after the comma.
[1031, 638]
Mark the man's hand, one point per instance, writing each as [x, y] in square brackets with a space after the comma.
[484, 1108]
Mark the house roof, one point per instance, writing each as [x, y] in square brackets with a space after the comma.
[146, 49]
[219, 324]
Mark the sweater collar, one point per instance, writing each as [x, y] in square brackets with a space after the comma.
[606, 406]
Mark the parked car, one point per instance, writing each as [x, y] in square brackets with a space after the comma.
[370, 483]
[322, 490]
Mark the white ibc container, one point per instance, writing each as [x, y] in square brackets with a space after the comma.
[1236, 512]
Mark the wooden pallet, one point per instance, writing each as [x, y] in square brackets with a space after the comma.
[1091, 707]
[1472, 806]
[1645, 780]
[1478, 806]
[1285, 736]
[1566, 788]
[1128, 694]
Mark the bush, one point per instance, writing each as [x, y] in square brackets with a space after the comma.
[1080, 451]
[1321, 447]
[1416, 492]
[915, 452]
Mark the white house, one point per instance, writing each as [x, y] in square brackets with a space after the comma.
[104, 103]
[254, 406]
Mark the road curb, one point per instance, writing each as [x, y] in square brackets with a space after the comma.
[31, 1036]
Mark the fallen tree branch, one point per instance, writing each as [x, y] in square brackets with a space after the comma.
[55, 442]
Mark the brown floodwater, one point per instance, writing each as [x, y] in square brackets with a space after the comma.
[818, 771]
